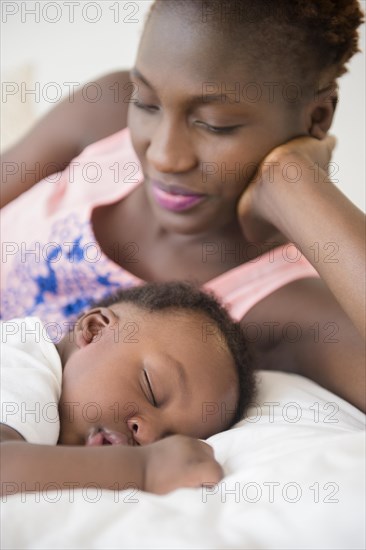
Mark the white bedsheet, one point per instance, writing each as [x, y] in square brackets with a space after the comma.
[295, 479]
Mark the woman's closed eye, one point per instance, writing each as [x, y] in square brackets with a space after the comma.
[218, 129]
[149, 389]
[209, 127]
[145, 106]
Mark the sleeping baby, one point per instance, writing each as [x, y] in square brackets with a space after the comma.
[125, 396]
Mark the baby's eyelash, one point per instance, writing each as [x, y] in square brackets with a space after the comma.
[150, 388]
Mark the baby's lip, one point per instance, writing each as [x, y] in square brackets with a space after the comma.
[104, 436]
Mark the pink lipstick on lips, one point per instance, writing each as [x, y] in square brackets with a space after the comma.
[174, 198]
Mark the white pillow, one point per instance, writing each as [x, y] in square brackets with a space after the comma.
[288, 485]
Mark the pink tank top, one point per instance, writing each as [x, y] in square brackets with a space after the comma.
[52, 267]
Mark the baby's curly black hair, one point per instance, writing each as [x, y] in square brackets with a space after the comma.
[307, 42]
[178, 296]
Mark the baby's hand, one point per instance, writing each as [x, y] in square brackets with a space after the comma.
[179, 461]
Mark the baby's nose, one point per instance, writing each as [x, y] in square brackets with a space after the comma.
[144, 431]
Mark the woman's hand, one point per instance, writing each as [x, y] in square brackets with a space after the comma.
[293, 195]
[303, 158]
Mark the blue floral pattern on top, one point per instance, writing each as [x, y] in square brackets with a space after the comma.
[59, 278]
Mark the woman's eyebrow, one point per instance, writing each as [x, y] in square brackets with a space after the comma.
[192, 100]
[136, 73]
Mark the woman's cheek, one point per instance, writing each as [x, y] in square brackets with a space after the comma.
[138, 127]
[226, 178]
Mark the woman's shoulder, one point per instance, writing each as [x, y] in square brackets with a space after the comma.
[95, 111]
[248, 284]
[103, 109]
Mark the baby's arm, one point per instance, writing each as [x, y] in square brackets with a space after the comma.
[64, 132]
[177, 461]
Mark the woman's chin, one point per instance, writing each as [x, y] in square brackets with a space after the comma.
[200, 219]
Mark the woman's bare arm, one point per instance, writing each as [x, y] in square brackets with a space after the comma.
[329, 230]
[302, 329]
[61, 134]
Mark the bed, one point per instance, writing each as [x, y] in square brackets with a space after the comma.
[294, 479]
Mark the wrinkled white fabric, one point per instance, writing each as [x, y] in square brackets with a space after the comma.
[295, 479]
[31, 375]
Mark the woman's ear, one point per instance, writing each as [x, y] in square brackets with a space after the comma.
[320, 111]
[90, 325]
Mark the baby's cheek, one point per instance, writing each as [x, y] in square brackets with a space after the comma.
[73, 428]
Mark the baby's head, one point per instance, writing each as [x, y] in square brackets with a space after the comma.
[220, 83]
[154, 360]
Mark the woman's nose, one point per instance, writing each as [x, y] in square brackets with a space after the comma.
[170, 149]
[145, 431]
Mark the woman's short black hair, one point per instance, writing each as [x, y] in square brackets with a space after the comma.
[175, 296]
[303, 42]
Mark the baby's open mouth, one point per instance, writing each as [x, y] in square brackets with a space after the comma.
[103, 436]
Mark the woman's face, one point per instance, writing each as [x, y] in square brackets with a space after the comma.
[201, 123]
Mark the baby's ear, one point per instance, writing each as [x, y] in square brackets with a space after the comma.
[90, 325]
[321, 111]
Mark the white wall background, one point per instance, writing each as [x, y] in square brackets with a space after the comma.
[79, 40]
